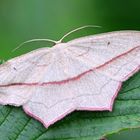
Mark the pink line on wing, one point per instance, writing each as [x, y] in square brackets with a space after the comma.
[130, 74]
[49, 123]
[120, 85]
[71, 110]
[115, 95]
[81, 108]
[70, 79]
[33, 116]
[111, 104]
[61, 116]
[92, 108]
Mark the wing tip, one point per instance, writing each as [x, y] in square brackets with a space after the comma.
[47, 124]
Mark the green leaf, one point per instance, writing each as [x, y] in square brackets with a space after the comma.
[82, 125]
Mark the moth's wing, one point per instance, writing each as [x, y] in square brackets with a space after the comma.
[17, 71]
[51, 102]
[98, 93]
[124, 67]
[104, 49]
[15, 95]
[45, 65]
[70, 59]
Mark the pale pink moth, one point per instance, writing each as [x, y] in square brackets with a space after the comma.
[82, 74]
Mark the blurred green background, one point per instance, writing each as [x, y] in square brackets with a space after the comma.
[21, 20]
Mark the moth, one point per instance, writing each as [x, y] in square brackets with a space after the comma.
[82, 74]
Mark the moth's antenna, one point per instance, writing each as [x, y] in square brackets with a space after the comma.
[33, 40]
[77, 29]
[55, 42]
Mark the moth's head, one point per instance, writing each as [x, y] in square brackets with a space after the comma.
[59, 45]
